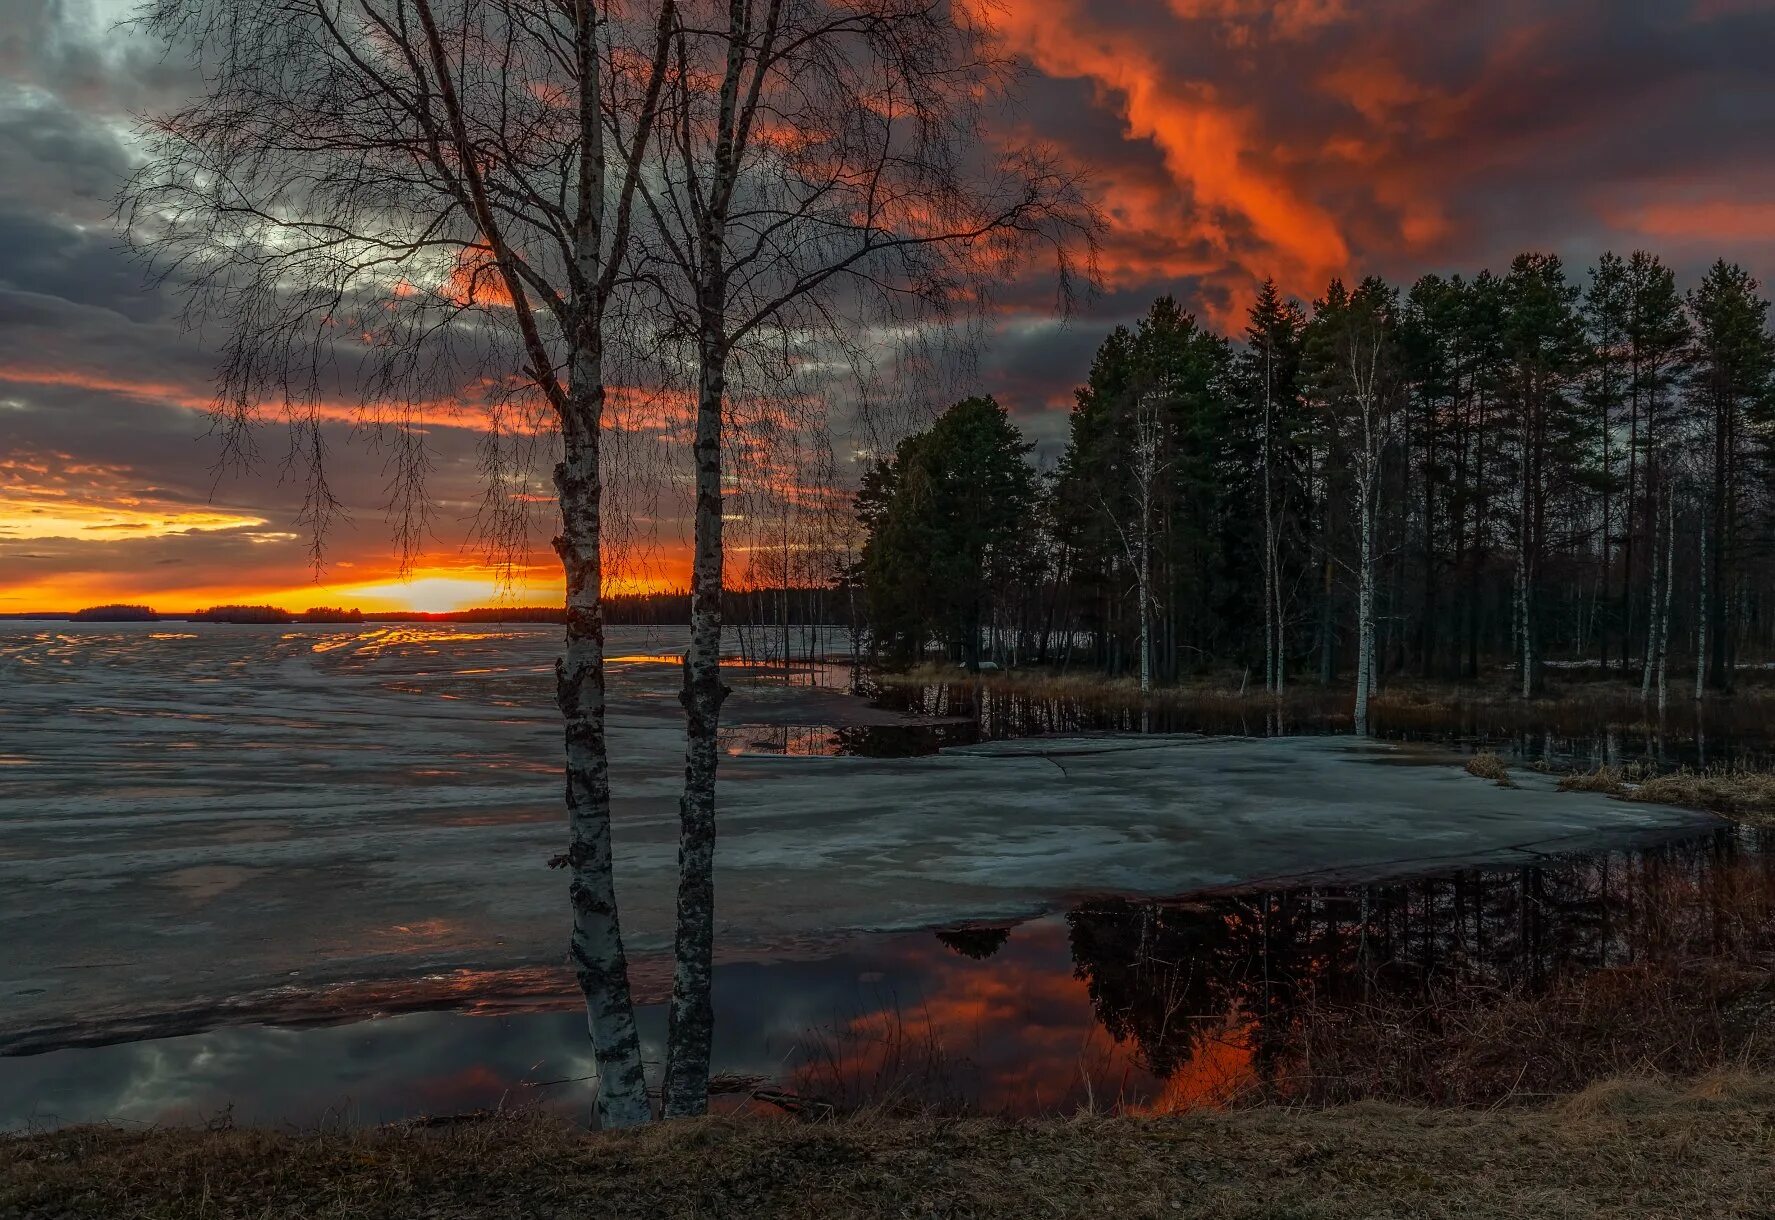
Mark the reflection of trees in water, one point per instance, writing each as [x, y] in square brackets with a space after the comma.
[1169, 976]
[1731, 735]
[901, 740]
[977, 943]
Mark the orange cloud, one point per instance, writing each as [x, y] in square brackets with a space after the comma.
[86, 379]
[1284, 19]
[476, 279]
[445, 413]
[1210, 146]
[1721, 220]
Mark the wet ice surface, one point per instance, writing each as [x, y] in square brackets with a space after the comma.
[204, 824]
[1144, 1006]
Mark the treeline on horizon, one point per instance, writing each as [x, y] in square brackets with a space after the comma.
[1471, 472]
[669, 608]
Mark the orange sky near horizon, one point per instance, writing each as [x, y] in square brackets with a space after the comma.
[1227, 140]
[431, 589]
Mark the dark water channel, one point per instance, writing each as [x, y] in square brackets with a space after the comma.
[1139, 1005]
[1584, 733]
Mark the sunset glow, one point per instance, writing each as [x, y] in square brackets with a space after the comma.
[1225, 141]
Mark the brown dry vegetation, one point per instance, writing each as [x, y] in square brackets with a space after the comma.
[1570, 704]
[1570, 707]
[1627, 1148]
[1472, 1046]
[1748, 796]
[1487, 765]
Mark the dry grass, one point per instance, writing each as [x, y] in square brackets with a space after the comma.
[1610, 781]
[1748, 796]
[1227, 694]
[1644, 1148]
[1488, 765]
[1466, 1045]
[1573, 703]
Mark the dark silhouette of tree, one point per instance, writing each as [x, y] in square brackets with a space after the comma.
[1732, 403]
[976, 943]
[953, 511]
[1491, 471]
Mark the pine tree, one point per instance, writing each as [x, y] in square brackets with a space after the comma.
[1544, 354]
[952, 519]
[1730, 393]
[1269, 372]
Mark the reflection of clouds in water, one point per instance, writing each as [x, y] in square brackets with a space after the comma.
[446, 1062]
[371, 811]
[1145, 1006]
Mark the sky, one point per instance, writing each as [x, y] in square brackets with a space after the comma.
[1227, 141]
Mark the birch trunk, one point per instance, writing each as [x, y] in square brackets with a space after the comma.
[595, 943]
[1365, 617]
[596, 947]
[690, 1030]
[692, 1021]
[1146, 643]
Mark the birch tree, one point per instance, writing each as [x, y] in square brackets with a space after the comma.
[1145, 465]
[823, 191]
[414, 201]
[1660, 576]
[1352, 340]
[1365, 356]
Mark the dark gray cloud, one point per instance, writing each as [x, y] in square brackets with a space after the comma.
[1229, 139]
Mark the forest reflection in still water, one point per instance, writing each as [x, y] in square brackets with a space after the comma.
[1316, 992]
[1260, 993]
[1586, 727]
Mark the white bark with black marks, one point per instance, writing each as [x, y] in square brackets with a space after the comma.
[456, 219]
[760, 244]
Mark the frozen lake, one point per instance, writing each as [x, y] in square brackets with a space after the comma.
[206, 824]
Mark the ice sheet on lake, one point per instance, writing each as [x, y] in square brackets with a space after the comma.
[196, 812]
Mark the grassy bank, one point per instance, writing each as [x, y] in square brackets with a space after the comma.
[1748, 796]
[1576, 701]
[1576, 706]
[1625, 1148]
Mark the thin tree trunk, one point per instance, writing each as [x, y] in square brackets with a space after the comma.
[1701, 615]
[691, 1029]
[1270, 668]
[1722, 540]
[1664, 610]
[1651, 654]
[1365, 620]
[1145, 595]
[596, 947]
[1281, 637]
[785, 596]
[1525, 586]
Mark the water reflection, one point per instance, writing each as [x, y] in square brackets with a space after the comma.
[830, 740]
[1138, 1005]
[1582, 731]
[1173, 980]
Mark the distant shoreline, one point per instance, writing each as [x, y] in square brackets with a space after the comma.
[517, 614]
